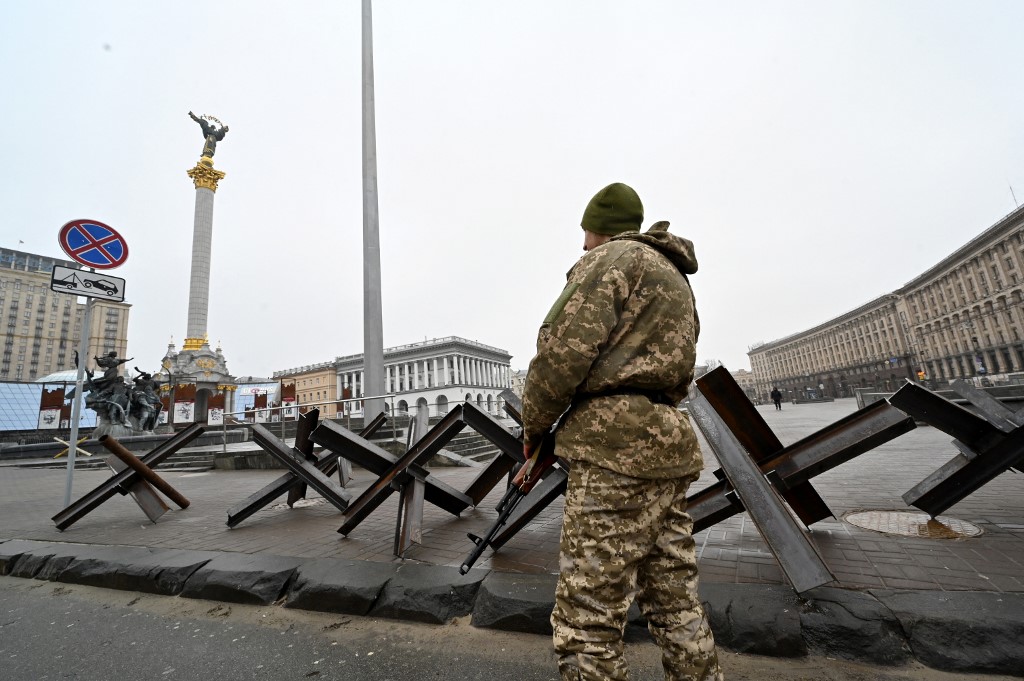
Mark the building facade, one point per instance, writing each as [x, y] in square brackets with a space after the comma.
[745, 380]
[41, 329]
[315, 385]
[433, 374]
[517, 382]
[962, 318]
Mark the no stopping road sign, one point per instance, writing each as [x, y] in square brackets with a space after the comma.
[93, 244]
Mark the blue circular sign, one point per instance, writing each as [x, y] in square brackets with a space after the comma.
[93, 244]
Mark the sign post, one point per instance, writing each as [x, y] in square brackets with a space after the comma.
[97, 246]
[76, 406]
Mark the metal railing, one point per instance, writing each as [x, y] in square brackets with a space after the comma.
[296, 407]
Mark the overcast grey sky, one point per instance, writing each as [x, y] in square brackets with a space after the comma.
[818, 154]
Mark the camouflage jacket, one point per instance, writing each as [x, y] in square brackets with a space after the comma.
[625, 327]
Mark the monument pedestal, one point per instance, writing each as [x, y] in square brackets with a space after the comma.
[197, 380]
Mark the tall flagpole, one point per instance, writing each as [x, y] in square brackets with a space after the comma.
[373, 324]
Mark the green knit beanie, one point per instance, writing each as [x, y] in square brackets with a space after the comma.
[614, 210]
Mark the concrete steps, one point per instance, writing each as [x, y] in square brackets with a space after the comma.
[192, 461]
[471, 445]
[81, 463]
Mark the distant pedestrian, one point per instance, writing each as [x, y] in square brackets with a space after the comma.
[777, 398]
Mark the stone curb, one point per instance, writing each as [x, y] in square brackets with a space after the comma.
[953, 631]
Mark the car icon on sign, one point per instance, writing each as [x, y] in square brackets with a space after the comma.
[104, 285]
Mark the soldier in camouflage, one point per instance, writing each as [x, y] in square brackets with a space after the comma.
[614, 357]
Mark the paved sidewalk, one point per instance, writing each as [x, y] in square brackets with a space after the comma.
[730, 553]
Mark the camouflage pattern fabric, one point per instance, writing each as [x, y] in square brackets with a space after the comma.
[623, 331]
[625, 321]
[621, 535]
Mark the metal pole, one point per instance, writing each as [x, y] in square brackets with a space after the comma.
[373, 324]
[76, 407]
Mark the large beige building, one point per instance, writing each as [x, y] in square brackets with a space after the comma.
[315, 385]
[41, 329]
[962, 318]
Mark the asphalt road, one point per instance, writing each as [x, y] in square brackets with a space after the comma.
[60, 631]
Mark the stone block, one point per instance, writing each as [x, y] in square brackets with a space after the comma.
[428, 593]
[342, 586]
[852, 625]
[965, 631]
[242, 578]
[761, 619]
[135, 568]
[47, 561]
[515, 602]
[11, 551]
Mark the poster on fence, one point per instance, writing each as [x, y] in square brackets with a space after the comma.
[288, 400]
[49, 419]
[184, 412]
[215, 410]
[50, 404]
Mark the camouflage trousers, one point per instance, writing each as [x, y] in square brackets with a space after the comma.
[622, 538]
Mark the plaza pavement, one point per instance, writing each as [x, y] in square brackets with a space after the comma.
[732, 556]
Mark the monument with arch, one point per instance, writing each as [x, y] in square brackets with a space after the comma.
[196, 384]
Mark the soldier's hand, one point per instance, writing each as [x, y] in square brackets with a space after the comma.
[521, 473]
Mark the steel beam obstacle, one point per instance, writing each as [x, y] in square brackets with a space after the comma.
[758, 473]
[292, 482]
[407, 475]
[990, 442]
[302, 465]
[789, 469]
[128, 481]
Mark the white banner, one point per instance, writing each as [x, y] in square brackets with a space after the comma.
[261, 416]
[184, 412]
[215, 416]
[49, 419]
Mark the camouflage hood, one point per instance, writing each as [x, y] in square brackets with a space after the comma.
[677, 249]
[617, 350]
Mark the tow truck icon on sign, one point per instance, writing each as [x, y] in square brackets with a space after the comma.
[73, 281]
[84, 283]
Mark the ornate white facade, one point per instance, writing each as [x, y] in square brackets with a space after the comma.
[434, 373]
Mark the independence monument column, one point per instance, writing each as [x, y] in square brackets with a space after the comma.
[205, 179]
[198, 379]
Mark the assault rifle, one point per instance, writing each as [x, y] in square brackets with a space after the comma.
[529, 474]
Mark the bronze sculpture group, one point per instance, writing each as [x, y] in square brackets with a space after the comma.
[121, 408]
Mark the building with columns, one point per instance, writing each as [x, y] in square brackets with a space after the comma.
[433, 374]
[962, 318]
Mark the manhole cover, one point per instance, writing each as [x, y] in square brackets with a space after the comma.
[910, 524]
